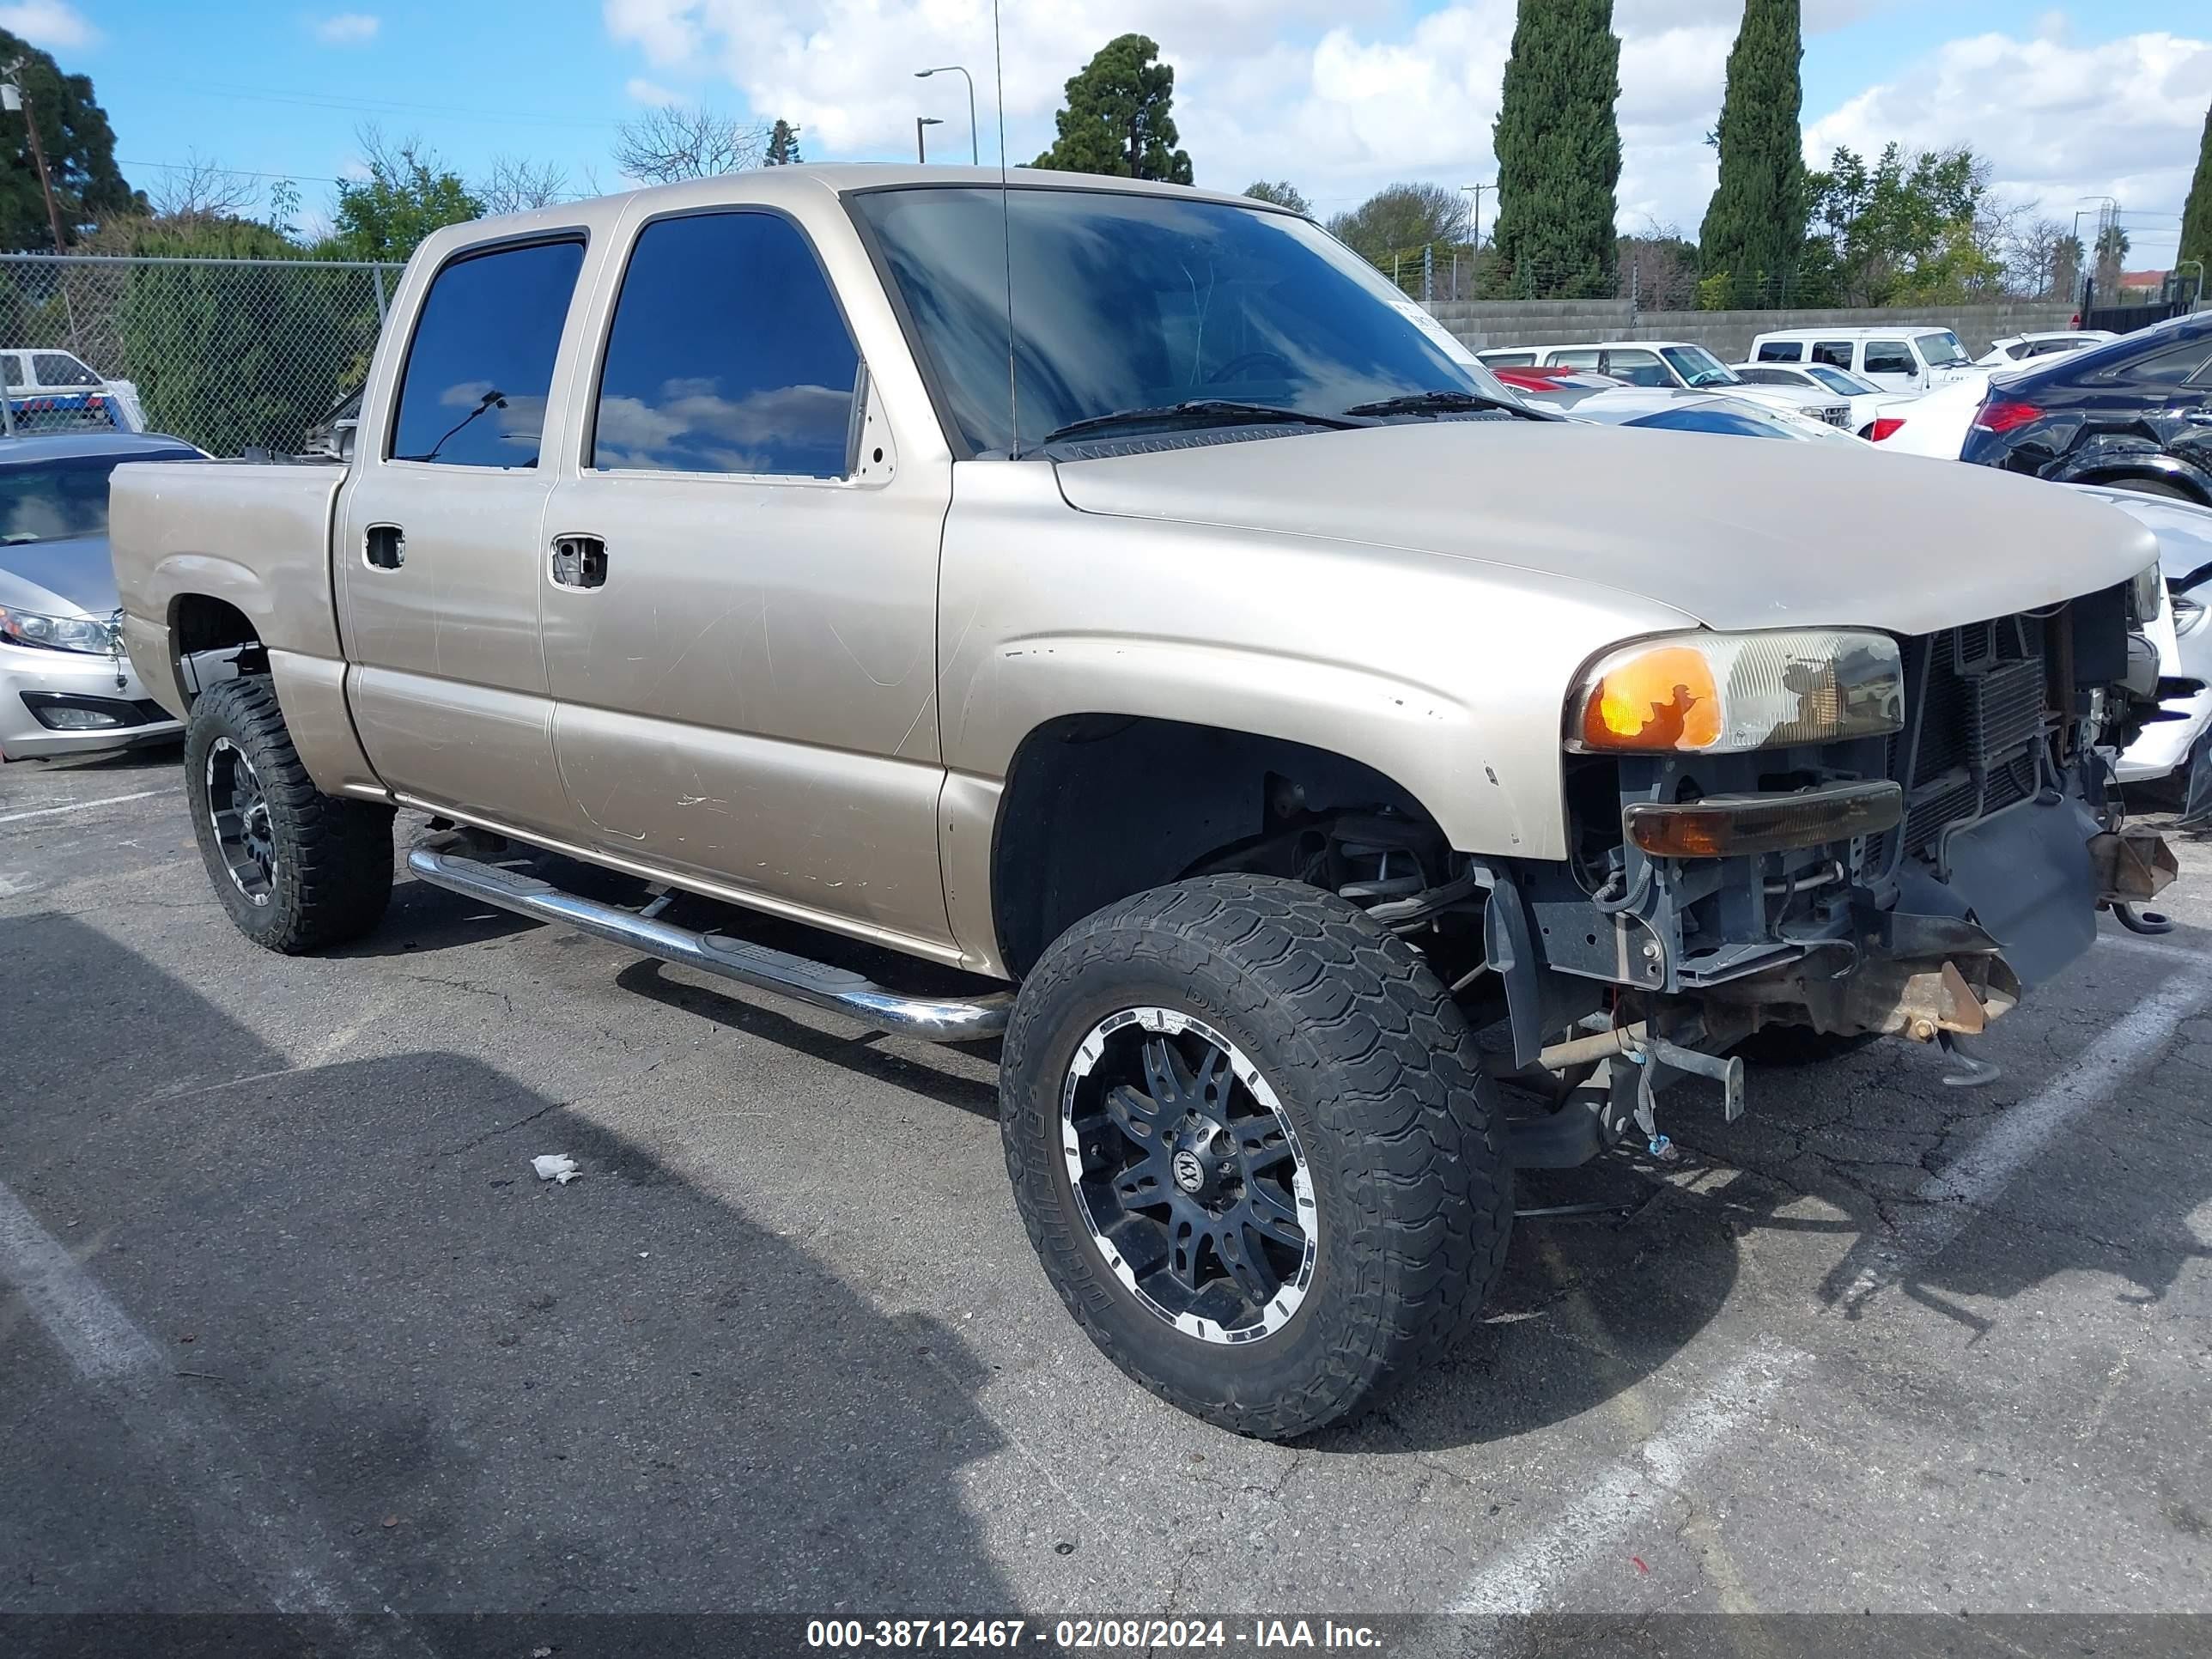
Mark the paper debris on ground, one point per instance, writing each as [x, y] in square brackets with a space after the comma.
[555, 1166]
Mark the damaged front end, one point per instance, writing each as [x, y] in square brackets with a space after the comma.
[1837, 832]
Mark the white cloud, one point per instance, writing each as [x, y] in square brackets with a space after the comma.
[1343, 97]
[643, 91]
[52, 24]
[2057, 122]
[348, 28]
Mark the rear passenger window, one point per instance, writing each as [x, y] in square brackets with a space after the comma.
[2177, 366]
[481, 365]
[1837, 354]
[728, 354]
[1890, 357]
[1780, 351]
[1510, 359]
[1574, 359]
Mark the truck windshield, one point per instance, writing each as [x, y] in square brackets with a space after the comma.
[1698, 368]
[1942, 350]
[1126, 301]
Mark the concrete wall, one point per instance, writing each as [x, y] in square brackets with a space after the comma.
[1727, 334]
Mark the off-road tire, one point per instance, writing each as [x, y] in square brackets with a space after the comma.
[1381, 1079]
[333, 857]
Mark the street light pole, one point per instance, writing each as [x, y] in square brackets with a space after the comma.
[975, 145]
[920, 149]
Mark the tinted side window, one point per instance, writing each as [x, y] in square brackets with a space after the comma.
[1637, 368]
[727, 355]
[1510, 359]
[1577, 358]
[478, 370]
[59, 368]
[1890, 357]
[2174, 367]
[1780, 351]
[1837, 354]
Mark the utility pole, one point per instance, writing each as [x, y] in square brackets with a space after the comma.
[1477, 190]
[22, 100]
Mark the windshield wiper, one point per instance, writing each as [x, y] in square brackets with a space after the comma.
[1197, 412]
[1444, 403]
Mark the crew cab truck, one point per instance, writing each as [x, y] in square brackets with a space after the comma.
[1298, 739]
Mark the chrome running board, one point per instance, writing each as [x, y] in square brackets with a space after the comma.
[937, 1019]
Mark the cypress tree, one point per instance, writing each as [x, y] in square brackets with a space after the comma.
[1754, 228]
[1559, 152]
[1116, 119]
[2196, 213]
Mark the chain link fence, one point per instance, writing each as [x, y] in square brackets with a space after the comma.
[231, 355]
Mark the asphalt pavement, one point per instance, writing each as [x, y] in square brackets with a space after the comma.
[288, 1321]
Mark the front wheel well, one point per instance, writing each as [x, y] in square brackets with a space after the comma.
[1098, 807]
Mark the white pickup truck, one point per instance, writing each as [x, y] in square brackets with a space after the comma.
[1292, 736]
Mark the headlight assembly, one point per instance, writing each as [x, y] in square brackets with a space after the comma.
[2146, 595]
[1715, 694]
[90, 634]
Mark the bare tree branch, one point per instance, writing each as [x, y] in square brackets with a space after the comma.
[515, 185]
[199, 189]
[660, 146]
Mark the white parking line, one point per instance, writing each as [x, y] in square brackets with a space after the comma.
[82, 805]
[1956, 1194]
[1529, 1575]
[214, 1474]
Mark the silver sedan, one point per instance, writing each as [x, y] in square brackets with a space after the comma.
[65, 685]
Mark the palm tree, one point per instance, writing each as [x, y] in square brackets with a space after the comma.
[2112, 257]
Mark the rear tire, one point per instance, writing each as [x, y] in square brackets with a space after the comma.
[2150, 487]
[1319, 1071]
[298, 870]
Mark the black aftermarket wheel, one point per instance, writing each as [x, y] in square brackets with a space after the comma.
[296, 869]
[1251, 1139]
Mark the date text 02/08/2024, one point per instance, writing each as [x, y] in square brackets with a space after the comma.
[1084, 1634]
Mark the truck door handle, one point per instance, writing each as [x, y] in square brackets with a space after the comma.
[384, 546]
[580, 561]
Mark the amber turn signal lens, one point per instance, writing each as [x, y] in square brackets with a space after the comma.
[1661, 699]
[1735, 826]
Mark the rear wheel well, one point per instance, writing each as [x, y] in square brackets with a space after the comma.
[1098, 807]
[2146, 483]
[199, 622]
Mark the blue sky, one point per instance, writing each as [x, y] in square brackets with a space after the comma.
[1341, 96]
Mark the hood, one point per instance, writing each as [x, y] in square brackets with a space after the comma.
[64, 578]
[1732, 532]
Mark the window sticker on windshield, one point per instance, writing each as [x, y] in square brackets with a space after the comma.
[1444, 337]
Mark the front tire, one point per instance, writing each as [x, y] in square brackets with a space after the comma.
[298, 870]
[1251, 1138]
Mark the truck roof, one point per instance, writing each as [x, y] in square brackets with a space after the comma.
[840, 178]
[1855, 331]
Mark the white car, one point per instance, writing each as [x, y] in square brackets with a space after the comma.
[1902, 358]
[1869, 402]
[1667, 409]
[52, 390]
[2020, 348]
[1681, 365]
[1935, 425]
[2184, 554]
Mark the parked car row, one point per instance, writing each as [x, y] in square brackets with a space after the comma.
[2126, 419]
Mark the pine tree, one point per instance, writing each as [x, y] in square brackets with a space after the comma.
[782, 146]
[2197, 213]
[1559, 151]
[1117, 120]
[1754, 228]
